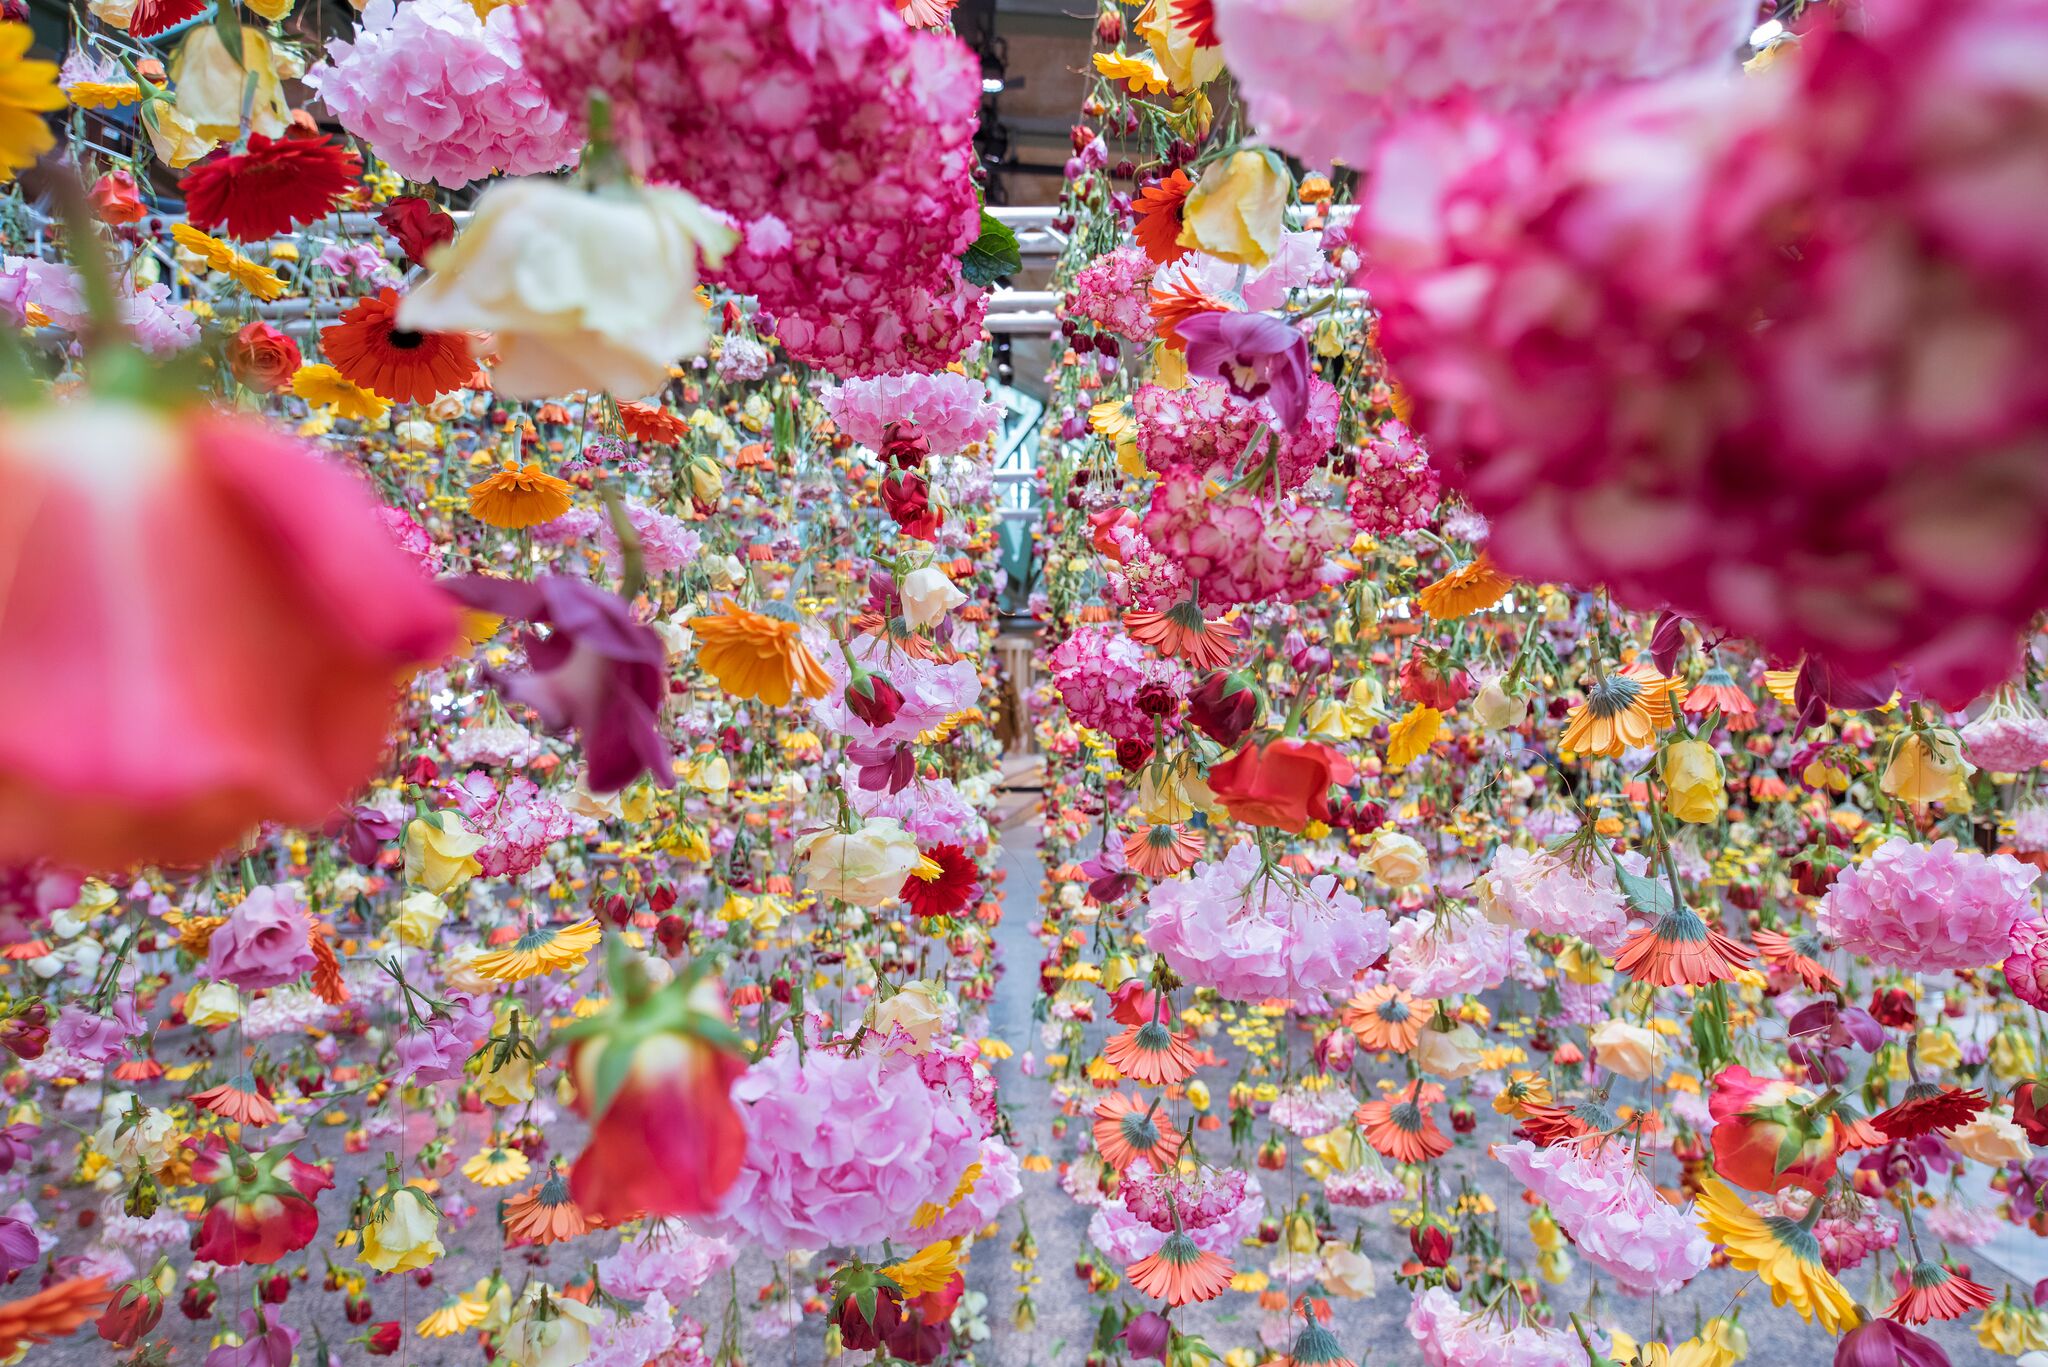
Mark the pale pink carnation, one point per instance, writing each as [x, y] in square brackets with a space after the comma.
[952, 411]
[1240, 546]
[1542, 892]
[1434, 957]
[1395, 490]
[1452, 1335]
[1613, 1213]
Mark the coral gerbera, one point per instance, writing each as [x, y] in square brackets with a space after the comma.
[323, 386]
[1623, 710]
[1717, 688]
[652, 424]
[1158, 210]
[952, 883]
[1780, 1250]
[540, 950]
[753, 655]
[1680, 948]
[239, 1100]
[516, 497]
[497, 1166]
[1181, 631]
[369, 347]
[27, 90]
[1797, 954]
[268, 189]
[1465, 590]
[1386, 1019]
[1127, 1129]
[544, 1215]
[1177, 301]
[51, 1313]
[1180, 1272]
[1935, 1293]
[1402, 1129]
[1162, 851]
[1151, 1053]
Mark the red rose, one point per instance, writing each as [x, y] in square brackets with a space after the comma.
[115, 200]
[263, 358]
[418, 226]
[1224, 706]
[1285, 783]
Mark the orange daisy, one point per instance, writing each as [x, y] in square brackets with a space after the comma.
[1151, 1053]
[369, 348]
[1162, 851]
[1624, 710]
[1680, 948]
[328, 985]
[653, 424]
[1180, 1273]
[1126, 1130]
[239, 1100]
[1465, 590]
[1795, 954]
[1935, 1293]
[1403, 1130]
[1181, 631]
[1158, 208]
[753, 655]
[144, 1069]
[519, 498]
[543, 1215]
[1386, 1019]
[1177, 302]
[51, 1313]
[1717, 688]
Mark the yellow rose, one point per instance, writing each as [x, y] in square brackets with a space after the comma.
[917, 1008]
[1452, 1055]
[419, 916]
[1937, 1048]
[1397, 860]
[403, 1238]
[1346, 1271]
[214, 1004]
[1185, 65]
[273, 10]
[208, 83]
[1926, 767]
[1236, 212]
[177, 142]
[440, 853]
[511, 1085]
[1694, 789]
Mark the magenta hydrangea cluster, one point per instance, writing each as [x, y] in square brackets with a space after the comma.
[1613, 1213]
[1699, 342]
[840, 140]
[1253, 933]
[1928, 907]
[1099, 671]
[1324, 81]
[1239, 546]
[950, 411]
[1204, 429]
[442, 96]
[1114, 292]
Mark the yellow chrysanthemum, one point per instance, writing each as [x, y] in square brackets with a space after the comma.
[27, 90]
[1465, 590]
[497, 1167]
[325, 387]
[541, 950]
[928, 1269]
[104, 94]
[1411, 735]
[1782, 1252]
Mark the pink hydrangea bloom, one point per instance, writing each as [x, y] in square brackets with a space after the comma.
[1098, 671]
[1450, 1335]
[1252, 936]
[442, 95]
[1324, 81]
[158, 325]
[843, 1150]
[1126, 1236]
[1240, 546]
[1114, 292]
[1437, 957]
[1395, 489]
[1363, 1187]
[952, 411]
[1698, 341]
[671, 1259]
[263, 942]
[999, 1186]
[1612, 1212]
[1928, 907]
[931, 691]
[411, 537]
[840, 139]
[1542, 892]
[1204, 429]
[931, 809]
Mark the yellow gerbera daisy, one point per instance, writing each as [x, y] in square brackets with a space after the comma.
[1411, 735]
[1465, 590]
[928, 1269]
[1623, 710]
[497, 1167]
[1140, 74]
[325, 387]
[104, 94]
[456, 1316]
[1781, 1251]
[540, 950]
[27, 89]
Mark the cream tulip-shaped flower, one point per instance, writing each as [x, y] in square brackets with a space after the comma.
[928, 595]
[579, 289]
[866, 867]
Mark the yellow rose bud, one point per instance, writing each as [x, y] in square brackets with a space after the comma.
[1236, 211]
[1695, 790]
[440, 853]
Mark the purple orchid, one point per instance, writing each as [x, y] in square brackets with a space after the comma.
[597, 670]
[364, 832]
[883, 767]
[1257, 355]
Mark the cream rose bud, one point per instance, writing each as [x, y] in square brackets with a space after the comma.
[562, 1339]
[1449, 1055]
[1397, 860]
[1629, 1051]
[928, 595]
[866, 867]
[419, 916]
[724, 571]
[1346, 1271]
[1498, 709]
[1991, 1137]
[917, 1009]
[580, 290]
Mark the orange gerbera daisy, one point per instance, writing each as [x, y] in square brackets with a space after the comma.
[753, 655]
[328, 984]
[1717, 688]
[1181, 631]
[652, 424]
[1465, 590]
[51, 1313]
[144, 1069]
[1386, 1019]
[1935, 1293]
[1795, 954]
[1175, 303]
[1162, 851]
[519, 498]
[369, 348]
[1403, 1130]
[1126, 1129]
[1151, 1053]
[1180, 1273]
[239, 1100]
[543, 1215]
[1158, 207]
[1624, 710]
[1551, 1123]
[1680, 948]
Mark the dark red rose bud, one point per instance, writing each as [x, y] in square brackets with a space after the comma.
[905, 444]
[418, 226]
[872, 698]
[674, 934]
[384, 1338]
[1224, 707]
[661, 898]
[1132, 754]
[1157, 699]
[908, 501]
[1431, 1244]
[196, 1301]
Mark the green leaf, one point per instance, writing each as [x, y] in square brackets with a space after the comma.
[227, 22]
[1647, 895]
[994, 254]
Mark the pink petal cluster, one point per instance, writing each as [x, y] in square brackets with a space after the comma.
[1699, 341]
[1540, 891]
[1325, 80]
[1847, 1241]
[411, 537]
[666, 541]
[1240, 546]
[1126, 1236]
[1928, 907]
[1114, 292]
[1613, 1214]
[1204, 429]
[2006, 743]
[1362, 1188]
[840, 139]
[1209, 1196]
[1437, 957]
[951, 411]
[2026, 963]
[1310, 1111]
[263, 942]
[931, 691]
[1395, 489]
[843, 1149]
[931, 809]
[1452, 1336]
[518, 823]
[1253, 935]
[442, 95]
[1098, 671]
[157, 323]
[999, 1185]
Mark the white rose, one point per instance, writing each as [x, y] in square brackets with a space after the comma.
[1449, 1055]
[1628, 1050]
[1346, 1271]
[1497, 709]
[928, 595]
[724, 571]
[1397, 860]
[866, 866]
[1991, 1137]
[579, 290]
[917, 1009]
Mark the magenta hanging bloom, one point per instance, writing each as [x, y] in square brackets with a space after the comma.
[1257, 355]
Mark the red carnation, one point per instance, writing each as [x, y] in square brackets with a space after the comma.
[151, 17]
[957, 884]
[268, 189]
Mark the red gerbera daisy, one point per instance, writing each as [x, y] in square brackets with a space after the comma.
[1936, 1293]
[1680, 948]
[266, 190]
[151, 17]
[1198, 17]
[1928, 1108]
[945, 892]
[1158, 208]
[370, 349]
